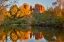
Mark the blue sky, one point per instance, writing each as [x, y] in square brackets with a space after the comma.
[46, 3]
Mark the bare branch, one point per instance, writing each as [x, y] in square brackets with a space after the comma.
[6, 3]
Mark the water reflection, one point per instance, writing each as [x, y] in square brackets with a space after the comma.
[32, 34]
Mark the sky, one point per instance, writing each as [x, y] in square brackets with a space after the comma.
[45, 3]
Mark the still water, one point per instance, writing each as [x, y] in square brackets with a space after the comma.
[31, 34]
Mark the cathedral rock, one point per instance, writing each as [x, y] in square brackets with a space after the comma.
[39, 8]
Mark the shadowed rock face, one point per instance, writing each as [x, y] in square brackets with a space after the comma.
[39, 8]
[30, 8]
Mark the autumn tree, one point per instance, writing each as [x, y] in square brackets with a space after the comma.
[58, 3]
[16, 12]
[2, 14]
[58, 7]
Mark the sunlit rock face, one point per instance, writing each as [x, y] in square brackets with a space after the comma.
[26, 8]
[39, 8]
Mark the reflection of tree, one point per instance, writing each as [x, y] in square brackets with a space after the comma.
[60, 35]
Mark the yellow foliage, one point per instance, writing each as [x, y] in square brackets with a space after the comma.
[8, 14]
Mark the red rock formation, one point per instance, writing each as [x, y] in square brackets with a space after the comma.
[29, 9]
[26, 8]
[39, 8]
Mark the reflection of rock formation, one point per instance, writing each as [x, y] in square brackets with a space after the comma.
[30, 35]
[27, 34]
[38, 36]
[39, 8]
